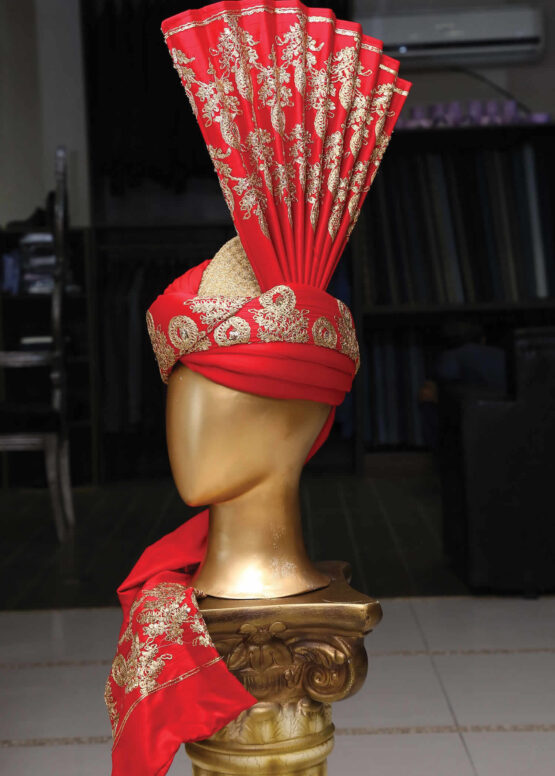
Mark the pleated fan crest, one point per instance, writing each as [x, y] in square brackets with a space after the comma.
[296, 109]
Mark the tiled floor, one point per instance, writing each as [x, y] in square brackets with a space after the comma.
[457, 686]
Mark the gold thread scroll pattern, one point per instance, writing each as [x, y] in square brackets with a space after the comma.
[184, 335]
[279, 320]
[164, 615]
[234, 331]
[236, 54]
[324, 333]
[347, 333]
[164, 353]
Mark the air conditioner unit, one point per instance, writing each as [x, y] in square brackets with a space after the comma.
[466, 37]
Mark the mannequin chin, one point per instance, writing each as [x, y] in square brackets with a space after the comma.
[243, 454]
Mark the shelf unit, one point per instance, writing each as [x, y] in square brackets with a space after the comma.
[497, 316]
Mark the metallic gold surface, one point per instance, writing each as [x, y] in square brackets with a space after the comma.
[296, 655]
[243, 454]
[269, 738]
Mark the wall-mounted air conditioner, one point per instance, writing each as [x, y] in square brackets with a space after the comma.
[466, 37]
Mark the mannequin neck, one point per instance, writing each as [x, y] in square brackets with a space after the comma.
[255, 545]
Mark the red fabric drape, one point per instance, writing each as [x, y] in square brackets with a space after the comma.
[296, 108]
[167, 684]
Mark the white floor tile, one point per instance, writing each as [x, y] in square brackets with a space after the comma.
[181, 765]
[399, 691]
[500, 689]
[512, 754]
[71, 634]
[82, 760]
[487, 623]
[75, 760]
[397, 631]
[53, 702]
[392, 755]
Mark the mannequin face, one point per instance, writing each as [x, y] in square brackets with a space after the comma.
[223, 443]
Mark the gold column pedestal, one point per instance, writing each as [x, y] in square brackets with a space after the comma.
[297, 656]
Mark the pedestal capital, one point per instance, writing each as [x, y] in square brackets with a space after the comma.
[309, 645]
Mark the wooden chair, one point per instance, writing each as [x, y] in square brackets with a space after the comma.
[27, 427]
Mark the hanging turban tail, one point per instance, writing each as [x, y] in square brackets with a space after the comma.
[296, 108]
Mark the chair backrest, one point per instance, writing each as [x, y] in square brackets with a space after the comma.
[60, 228]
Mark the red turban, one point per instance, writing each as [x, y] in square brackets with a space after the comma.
[296, 108]
[291, 342]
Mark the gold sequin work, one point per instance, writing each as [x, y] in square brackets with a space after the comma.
[229, 274]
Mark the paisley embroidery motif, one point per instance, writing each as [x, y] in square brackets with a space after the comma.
[347, 333]
[164, 353]
[291, 69]
[324, 333]
[183, 333]
[234, 331]
[279, 320]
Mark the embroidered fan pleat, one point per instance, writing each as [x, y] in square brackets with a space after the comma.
[297, 109]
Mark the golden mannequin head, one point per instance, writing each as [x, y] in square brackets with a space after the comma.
[243, 455]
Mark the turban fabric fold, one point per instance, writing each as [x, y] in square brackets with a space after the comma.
[290, 342]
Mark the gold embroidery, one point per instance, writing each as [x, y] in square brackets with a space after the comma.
[237, 54]
[186, 74]
[324, 333]
[111, 705]
[229, 274]
[274, 92]
[336, 214]
[377, 155]
[248, 189]
[183, 333]
[239, 66]
[165, 355]
[234, 331]
[347, 333]
[343, 72]
[313, 192]
[333, 152]
[374, 49]
[249, 12]
[164, 616]
[357, 188]
[169, 683]
[279, 320]
[388, 69]
[214, 311]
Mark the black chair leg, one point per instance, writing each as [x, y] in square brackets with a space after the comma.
[65, 482]
[53, 479]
